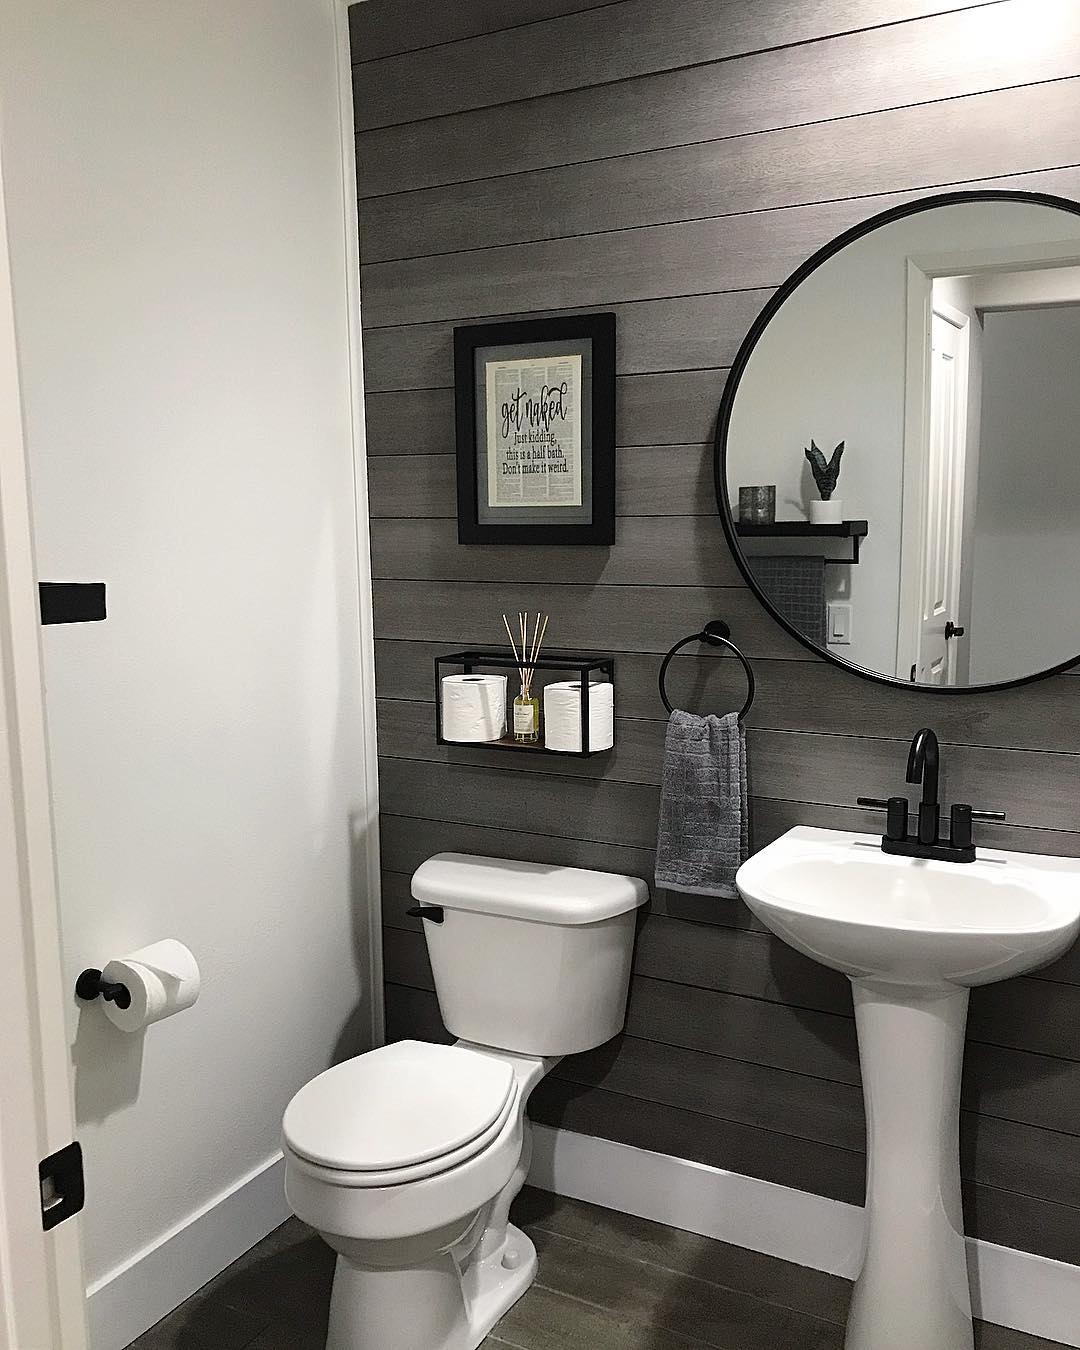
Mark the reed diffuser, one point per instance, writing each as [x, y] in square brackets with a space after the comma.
[526, 707]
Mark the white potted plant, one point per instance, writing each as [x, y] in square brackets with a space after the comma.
[829, 510]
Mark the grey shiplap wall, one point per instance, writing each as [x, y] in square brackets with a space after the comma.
[674, 162]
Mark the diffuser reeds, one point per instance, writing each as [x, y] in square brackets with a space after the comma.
[526, 651]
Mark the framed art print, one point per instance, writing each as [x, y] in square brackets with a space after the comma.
[535, 408]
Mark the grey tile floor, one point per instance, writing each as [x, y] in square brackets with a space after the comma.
[607, 1282]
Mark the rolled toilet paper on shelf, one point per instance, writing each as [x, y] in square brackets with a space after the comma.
[562, 715]
[162, 979]
[473, 707]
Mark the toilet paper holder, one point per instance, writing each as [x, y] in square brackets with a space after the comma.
[90, 986]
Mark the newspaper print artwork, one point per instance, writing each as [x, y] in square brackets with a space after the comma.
[534, 431]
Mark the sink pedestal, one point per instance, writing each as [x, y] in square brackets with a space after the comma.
[913, 1291]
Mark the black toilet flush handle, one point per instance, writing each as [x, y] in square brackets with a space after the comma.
[433, 913]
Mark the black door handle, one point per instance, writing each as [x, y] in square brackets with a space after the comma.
[952, 631]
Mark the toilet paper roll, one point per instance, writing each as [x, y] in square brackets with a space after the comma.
[562, 715]
[473, 707]
[162, 979]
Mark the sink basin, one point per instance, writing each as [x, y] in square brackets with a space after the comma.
[913, 936]
[839, 899]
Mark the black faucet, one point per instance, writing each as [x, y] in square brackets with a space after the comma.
[923, 763]
[922, 766]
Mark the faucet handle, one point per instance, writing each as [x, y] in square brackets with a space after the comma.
[961, 817]
[896, 817]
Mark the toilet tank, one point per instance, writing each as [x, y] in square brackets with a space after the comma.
[529, 957]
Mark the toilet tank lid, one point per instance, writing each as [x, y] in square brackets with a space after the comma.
[542, 892]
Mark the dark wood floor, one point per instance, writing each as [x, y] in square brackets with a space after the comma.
[607, 1282]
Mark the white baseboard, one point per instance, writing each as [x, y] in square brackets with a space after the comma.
[1012, 1288]
[135, 1295]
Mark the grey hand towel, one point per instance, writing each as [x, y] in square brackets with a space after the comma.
[703, 833]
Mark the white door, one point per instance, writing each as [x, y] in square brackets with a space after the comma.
[943, 512]
[42, 1292]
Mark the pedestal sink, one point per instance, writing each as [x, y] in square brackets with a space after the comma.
[913, 936]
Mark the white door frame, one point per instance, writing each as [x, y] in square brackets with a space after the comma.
[42, 1288]
[921, 274]
[366, 831]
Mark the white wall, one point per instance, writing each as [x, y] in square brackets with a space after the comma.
[1026, 603]
[831, 366]
[177, 215]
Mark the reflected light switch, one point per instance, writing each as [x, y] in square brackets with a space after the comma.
[840, 622]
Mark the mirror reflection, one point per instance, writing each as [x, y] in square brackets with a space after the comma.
[902, 457]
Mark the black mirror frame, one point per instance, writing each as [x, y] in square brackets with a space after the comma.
[731, 388]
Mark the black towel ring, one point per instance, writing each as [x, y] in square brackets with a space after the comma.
[716, 634]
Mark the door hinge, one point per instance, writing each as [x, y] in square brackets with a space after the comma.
[62, 1188]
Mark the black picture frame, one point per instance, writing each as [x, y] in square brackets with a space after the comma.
[594, 333]
[731, 389]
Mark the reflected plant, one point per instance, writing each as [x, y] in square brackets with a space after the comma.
[826, 472]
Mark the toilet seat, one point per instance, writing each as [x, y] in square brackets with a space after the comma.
[399, 1114]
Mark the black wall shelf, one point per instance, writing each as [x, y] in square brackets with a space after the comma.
[855, 530]
[575, 663]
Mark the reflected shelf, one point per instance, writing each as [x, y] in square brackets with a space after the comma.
[855, 530]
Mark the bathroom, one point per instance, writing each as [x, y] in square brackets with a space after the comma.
[239, 413]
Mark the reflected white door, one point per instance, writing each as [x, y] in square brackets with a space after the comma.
[943, 513]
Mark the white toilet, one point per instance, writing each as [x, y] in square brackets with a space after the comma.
[406, 1159]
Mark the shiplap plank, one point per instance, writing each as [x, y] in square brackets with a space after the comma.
[648, 550]
[771, 817]
[1038, 1016]
[406, 842]
[818, 697]
[999, 1082]
[621, 813]
[613, 43]
[651, 480]
[728, 254]
[390, 27]
[942, 57]
[1022, 1222]
[819, 1168]
[791, 1104]
[1033, 789]
[665, 409]
[758, 250]
[1010, 131]
[688, 332]
[583, 617]
[406, 732]
[617, 813]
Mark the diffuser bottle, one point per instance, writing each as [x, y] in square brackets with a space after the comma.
[526, 716]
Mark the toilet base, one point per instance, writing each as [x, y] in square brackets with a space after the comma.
[494, 1284]
[435, 1305]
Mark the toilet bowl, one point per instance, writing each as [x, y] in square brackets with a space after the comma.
[406, 1159]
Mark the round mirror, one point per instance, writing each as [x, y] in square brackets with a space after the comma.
[898, 448]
